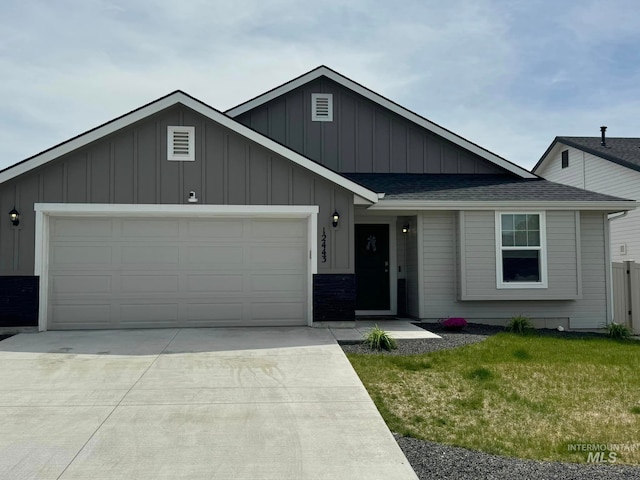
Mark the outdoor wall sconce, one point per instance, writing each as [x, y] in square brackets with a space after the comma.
[335, 218]
[406, 227]
[14, 216]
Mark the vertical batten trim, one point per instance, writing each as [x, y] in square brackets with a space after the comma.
[157, 162]
[89, 165]
[203, 163]
[356, 136]
[136, 163]
[65, 181]
[247, 173]
[225, 168]
[112, 175]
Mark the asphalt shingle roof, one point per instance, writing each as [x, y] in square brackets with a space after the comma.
[624, 151]
[472, 187]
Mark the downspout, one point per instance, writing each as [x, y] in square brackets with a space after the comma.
[609, 263]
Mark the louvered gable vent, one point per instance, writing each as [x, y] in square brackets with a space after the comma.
[322, 107]
[180, 143]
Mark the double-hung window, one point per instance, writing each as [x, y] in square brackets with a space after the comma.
[521, 250]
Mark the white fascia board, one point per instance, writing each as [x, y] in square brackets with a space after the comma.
[87, 138]
[188, 210]
[218, 117]
[279, 149]
[513, 205]
[380, 100]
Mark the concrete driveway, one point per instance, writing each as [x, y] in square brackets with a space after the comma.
[232, 403]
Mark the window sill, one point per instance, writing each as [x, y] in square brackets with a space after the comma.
[532, 294]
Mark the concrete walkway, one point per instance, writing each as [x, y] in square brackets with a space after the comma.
[356, 331]
[235, 403]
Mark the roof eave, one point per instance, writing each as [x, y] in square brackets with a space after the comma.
[601, 205]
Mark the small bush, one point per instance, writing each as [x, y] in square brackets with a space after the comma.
[618, 331]
[378, 339]
[519, 324]
[454, 323]
[635, 410]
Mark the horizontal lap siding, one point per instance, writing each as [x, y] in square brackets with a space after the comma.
[480, 258]
[131, 167]
[440, 266]
[594, 173]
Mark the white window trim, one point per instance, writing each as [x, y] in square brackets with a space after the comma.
[314, 115]
[544, 281]
[191, 132]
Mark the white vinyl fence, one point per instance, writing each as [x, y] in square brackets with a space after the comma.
[626, 294]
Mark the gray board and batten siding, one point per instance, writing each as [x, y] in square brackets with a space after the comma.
[363, 137]
[130, 166]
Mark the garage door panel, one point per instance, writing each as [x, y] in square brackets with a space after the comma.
[152, 254]
[279, 256]
[81, 316]
[268, 230]
[277, 310]
[215, 255]
[220, 283]
[133, 284]
[221, 229]
[80, 284]
[88, 228]
[179, 272]
[206, 313]
[158, 313]
[278, 283]
[150, 229]
[81, 255]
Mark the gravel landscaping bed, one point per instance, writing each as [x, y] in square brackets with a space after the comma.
[436, 461]
[439, 462]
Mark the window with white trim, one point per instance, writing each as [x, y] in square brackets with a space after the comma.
[181, 143]
[322, 107]
[521, 256]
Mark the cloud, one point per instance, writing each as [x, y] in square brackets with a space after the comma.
[507, 75]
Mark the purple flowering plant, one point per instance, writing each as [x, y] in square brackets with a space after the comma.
[454, 323]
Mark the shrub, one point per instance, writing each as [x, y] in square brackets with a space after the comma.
[454, 323]
[378, 339]
[618, 331]
[519, 324]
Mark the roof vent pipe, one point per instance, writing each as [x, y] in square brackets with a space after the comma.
[604, 140]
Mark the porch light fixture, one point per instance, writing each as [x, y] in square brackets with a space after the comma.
[14, 216]
[406, 228]
[334, 219]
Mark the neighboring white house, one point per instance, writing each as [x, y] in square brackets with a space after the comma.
[609, 165]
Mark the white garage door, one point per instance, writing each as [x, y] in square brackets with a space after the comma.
[176, 272]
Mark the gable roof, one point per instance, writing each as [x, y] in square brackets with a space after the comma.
[620, 150]
[477, 192]
[323, 71]
[179, 97]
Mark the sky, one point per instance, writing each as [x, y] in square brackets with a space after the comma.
[509, 75]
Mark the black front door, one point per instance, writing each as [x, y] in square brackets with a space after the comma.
[372, 267]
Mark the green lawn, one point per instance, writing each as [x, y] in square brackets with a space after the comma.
[523, 396]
